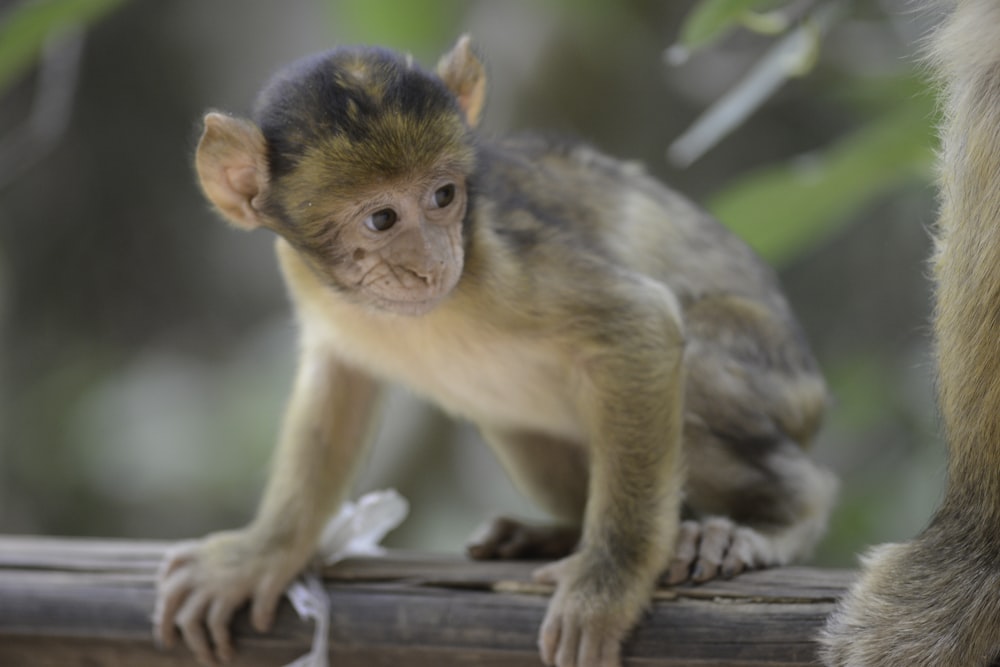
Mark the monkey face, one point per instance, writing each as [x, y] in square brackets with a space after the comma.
[397, 249]
[358, 159]
[407, 252]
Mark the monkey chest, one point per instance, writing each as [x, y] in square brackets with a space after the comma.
[492, 380]
[512, 385]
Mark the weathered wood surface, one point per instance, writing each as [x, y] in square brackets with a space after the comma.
[76, 603]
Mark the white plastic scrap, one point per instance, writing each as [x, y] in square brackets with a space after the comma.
[356, 530]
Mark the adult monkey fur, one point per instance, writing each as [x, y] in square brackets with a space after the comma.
[586, 318]
[935, 601]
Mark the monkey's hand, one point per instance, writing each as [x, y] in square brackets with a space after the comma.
[590, 613]
[203, 582]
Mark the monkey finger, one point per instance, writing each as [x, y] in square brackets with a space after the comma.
[191, 621]
[716, 535]
[265, 603]
[732, 565]
[220, 613]
[685, 553]
[177, 556]
[549, 636]
[705, 570]
[597, 649]
[171, 595]
[742, 553]
[569, 644]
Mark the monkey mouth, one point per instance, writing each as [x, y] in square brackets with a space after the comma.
[414, 301]
[400, 290]
[409, 293]
[415, 307]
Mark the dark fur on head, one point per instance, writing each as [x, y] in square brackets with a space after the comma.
[339, 122]
[355, 116]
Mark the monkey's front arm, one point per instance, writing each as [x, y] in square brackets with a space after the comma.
[203, 582]
[630, 396]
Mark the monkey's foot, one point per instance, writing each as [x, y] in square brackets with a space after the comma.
[505, 538]
[715, 547]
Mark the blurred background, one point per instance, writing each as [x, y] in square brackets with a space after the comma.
[147, 349]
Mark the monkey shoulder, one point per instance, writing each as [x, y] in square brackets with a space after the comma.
[551, 204]
[577, 192]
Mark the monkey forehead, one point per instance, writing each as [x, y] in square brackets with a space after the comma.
[398, 147]
[358, 114]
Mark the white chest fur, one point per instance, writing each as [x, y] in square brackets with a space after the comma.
[489, 377]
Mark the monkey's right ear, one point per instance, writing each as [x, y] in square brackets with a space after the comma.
[232, 168]
[464, 74]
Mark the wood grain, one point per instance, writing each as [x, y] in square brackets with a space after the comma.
[77, 603]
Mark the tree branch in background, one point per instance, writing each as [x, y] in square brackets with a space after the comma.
[791, 56]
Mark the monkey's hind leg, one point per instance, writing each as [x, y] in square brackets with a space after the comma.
[930, 602]
[550, 472]
[753, 394]
[747, 510]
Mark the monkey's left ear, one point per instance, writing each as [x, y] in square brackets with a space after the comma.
[232, 167]
[464, 74]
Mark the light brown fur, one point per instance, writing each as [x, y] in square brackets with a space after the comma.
[600, 327]
[935, 601]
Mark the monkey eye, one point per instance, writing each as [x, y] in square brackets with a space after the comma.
[380, 221]
[444, 195]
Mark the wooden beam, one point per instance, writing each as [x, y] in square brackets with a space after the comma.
[77, 603]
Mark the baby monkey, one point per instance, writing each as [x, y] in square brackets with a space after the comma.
[634, 366]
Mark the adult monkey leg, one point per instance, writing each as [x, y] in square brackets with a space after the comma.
[935, 601]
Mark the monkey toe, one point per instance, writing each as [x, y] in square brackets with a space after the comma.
[486, 542]
[712, 548]
[504, 538]
[748, 550]
[685, 553]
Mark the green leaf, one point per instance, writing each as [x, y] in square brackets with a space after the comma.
[709, 19]
[784, 211]
[420, 25]
[25, 27]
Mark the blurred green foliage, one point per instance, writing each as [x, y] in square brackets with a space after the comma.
[710, 19]
[26, 25]
[790, 209]
[424, 24]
